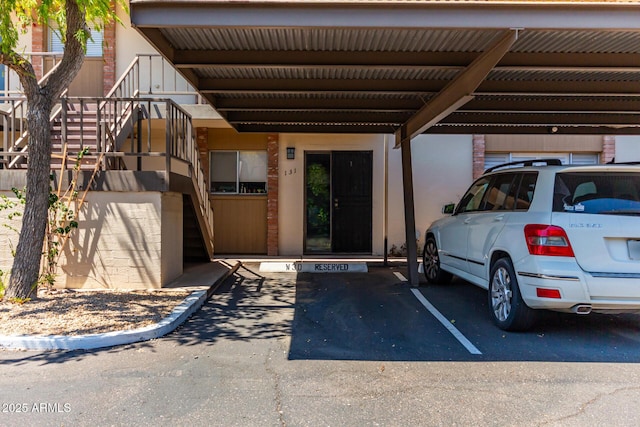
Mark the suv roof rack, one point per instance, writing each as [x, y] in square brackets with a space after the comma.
[548, 162]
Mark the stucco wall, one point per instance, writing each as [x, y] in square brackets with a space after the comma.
[627, 149]
[129, 43]
[441, 174]
[124, 241]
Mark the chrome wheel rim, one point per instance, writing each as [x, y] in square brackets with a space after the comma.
[501, 294]
[431, 260]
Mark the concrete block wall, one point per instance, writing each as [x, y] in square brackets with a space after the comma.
[124, 241]
[8, 235]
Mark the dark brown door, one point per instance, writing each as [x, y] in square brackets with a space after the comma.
[351, 184]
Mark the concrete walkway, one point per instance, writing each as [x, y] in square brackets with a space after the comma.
[201, 280]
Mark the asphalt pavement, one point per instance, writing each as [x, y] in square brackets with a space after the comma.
[286, 349]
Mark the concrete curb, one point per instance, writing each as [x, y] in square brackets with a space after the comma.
[186, 308]
[108, 339]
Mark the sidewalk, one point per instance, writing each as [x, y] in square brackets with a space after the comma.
[201, 280]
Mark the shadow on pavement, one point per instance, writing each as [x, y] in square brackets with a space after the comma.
[372, 316]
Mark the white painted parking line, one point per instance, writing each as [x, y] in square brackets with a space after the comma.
[400, 276]
[447, 324]
[434, 311]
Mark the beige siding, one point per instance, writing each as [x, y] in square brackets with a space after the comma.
[229, 139]
[240, 224]
[89, 80]
[540, 143]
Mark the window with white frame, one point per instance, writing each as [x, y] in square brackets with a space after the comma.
[494, 159]
[94, 44]
[238, 172]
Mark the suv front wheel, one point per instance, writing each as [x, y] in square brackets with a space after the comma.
[508, 310]
[431, 263]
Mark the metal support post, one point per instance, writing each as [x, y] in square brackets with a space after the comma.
[409, 211]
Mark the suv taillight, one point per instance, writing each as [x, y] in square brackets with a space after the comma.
[547, 240]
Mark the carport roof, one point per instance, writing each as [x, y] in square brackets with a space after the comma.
[407, 67]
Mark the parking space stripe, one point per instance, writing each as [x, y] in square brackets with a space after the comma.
[400, 276]
[443, 320]
[452, 329]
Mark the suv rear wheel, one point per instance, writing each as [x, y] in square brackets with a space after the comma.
[431, 263]
[508, 310]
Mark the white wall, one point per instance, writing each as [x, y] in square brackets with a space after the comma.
[129, 43]
[157, 76]
[442, 172]
[627, 148]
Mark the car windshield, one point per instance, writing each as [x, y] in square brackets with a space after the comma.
[613, 193]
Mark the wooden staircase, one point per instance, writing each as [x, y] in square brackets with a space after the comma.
[193, 247]
[116, 130]
[81, 132]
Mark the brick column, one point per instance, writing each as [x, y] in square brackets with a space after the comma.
[478, 155]
[38, 44]
[608, 149]
[273, 147]
[109, 57]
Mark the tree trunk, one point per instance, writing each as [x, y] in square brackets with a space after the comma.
[26, 265]
[24, 276]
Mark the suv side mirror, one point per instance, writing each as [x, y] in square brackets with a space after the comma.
[448, 208]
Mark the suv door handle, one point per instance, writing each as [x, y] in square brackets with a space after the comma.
[467, 221]
[498, 217]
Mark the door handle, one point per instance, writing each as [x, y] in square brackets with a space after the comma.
[335, 203]
[467, 221]
[498, 218]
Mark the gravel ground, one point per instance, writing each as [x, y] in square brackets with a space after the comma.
[69, 312]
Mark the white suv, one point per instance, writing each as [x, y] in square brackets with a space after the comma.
[563, 238]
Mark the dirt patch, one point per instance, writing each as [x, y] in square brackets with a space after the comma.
[83, 312]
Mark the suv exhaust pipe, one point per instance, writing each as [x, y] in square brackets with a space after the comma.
[581, 309]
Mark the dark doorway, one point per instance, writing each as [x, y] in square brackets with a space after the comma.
[338, 202]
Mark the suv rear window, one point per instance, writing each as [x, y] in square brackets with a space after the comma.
[614, 193]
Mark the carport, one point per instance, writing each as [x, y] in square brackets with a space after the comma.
[407, 67]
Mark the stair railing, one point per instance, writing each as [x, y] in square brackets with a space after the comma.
[13, 118]
[126, 104]
[181, 145]
[16, 141]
